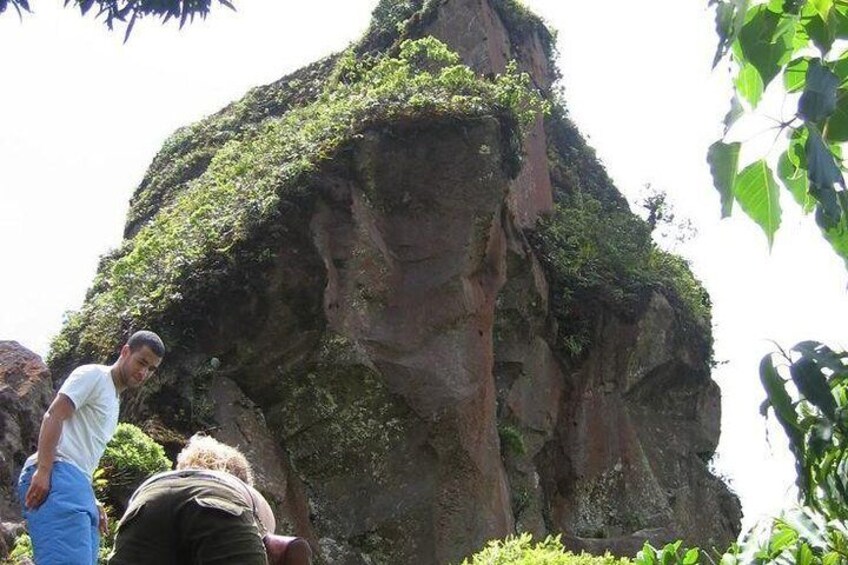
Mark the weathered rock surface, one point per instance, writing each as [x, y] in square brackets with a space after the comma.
[25, 393]
[396, 371]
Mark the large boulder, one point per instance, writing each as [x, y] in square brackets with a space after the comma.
[394, 345]
[26, 390]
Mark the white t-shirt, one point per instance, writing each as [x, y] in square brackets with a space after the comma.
[94, 420]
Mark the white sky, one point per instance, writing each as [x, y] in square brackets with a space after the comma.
[82, 115]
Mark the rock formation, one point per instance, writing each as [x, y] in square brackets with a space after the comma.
[25, 393]
[404, 329]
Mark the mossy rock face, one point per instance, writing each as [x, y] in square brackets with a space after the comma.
[347, 250]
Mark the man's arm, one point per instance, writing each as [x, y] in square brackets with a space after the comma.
[48, 438]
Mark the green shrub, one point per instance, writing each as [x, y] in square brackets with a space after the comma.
[601, 256]
[20, 551]
[521, 551]
[512, 441]
[130, 457]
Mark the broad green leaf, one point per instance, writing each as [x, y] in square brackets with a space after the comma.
[795, 74]
[730, 16]
[749, 84]
[823, 7]
[837, 234]
[812, 383]
[757, 193]
[781, 402]
[764, 43]
[691, 557]
[824, 175]
[831, 558]
[838, 22]
[796, 151]
[781, 539]
[823, 355]
[804, 555]
[820, 33]
[723, 159]
[840, 67]
[819, 98]
[736, 111]
[837, 124]
[795, 180]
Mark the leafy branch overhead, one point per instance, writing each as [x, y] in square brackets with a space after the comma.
[793, 44]
[129, 11]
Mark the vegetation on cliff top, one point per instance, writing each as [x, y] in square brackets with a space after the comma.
[206, 231]
[520, 550]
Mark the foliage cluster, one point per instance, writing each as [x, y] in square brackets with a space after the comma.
[520, 550]
[21, 550]
[511, 439]
[207, 229]
[668, 554]
[521, 22]
[186, 154]
[599, 256]
[121, 10]
[131, 456]
[803, 42]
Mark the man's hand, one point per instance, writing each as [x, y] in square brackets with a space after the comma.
[39, 488]
[104, 519]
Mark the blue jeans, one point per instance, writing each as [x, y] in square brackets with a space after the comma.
[65, 528]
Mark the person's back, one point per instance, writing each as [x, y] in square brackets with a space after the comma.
[205, 512]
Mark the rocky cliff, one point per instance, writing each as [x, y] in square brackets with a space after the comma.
[420, 305]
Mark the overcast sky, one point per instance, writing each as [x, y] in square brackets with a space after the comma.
[82, 115]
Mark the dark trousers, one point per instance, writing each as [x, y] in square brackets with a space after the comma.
[188, 520]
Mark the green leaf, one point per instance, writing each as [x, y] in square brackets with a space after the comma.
[823, 355]
[765, 43]
[796, 151]
[691, 557]
[837, 124]
[795, 180]
[795, 74]
[824, 175]
[831, 558]
[749, 84]
[781, 539]
[757, 193]
[736, 111]
[781, 403]
[813, 385]
[819, 98]
[730, 16]
[723, 159]
[820, 33]
[837, 234]
[804, 556]
[823, 7]
[840, 67]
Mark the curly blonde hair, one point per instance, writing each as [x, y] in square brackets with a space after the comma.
[206, 452]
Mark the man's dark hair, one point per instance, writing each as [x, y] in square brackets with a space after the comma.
[147, 338]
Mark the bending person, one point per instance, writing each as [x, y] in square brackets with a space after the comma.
[206, 512]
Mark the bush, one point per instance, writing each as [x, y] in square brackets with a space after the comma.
[21, 552]
[521, 551]
[130, 457]
[601, 256]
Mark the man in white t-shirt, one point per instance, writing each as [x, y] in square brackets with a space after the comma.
[62, 514]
